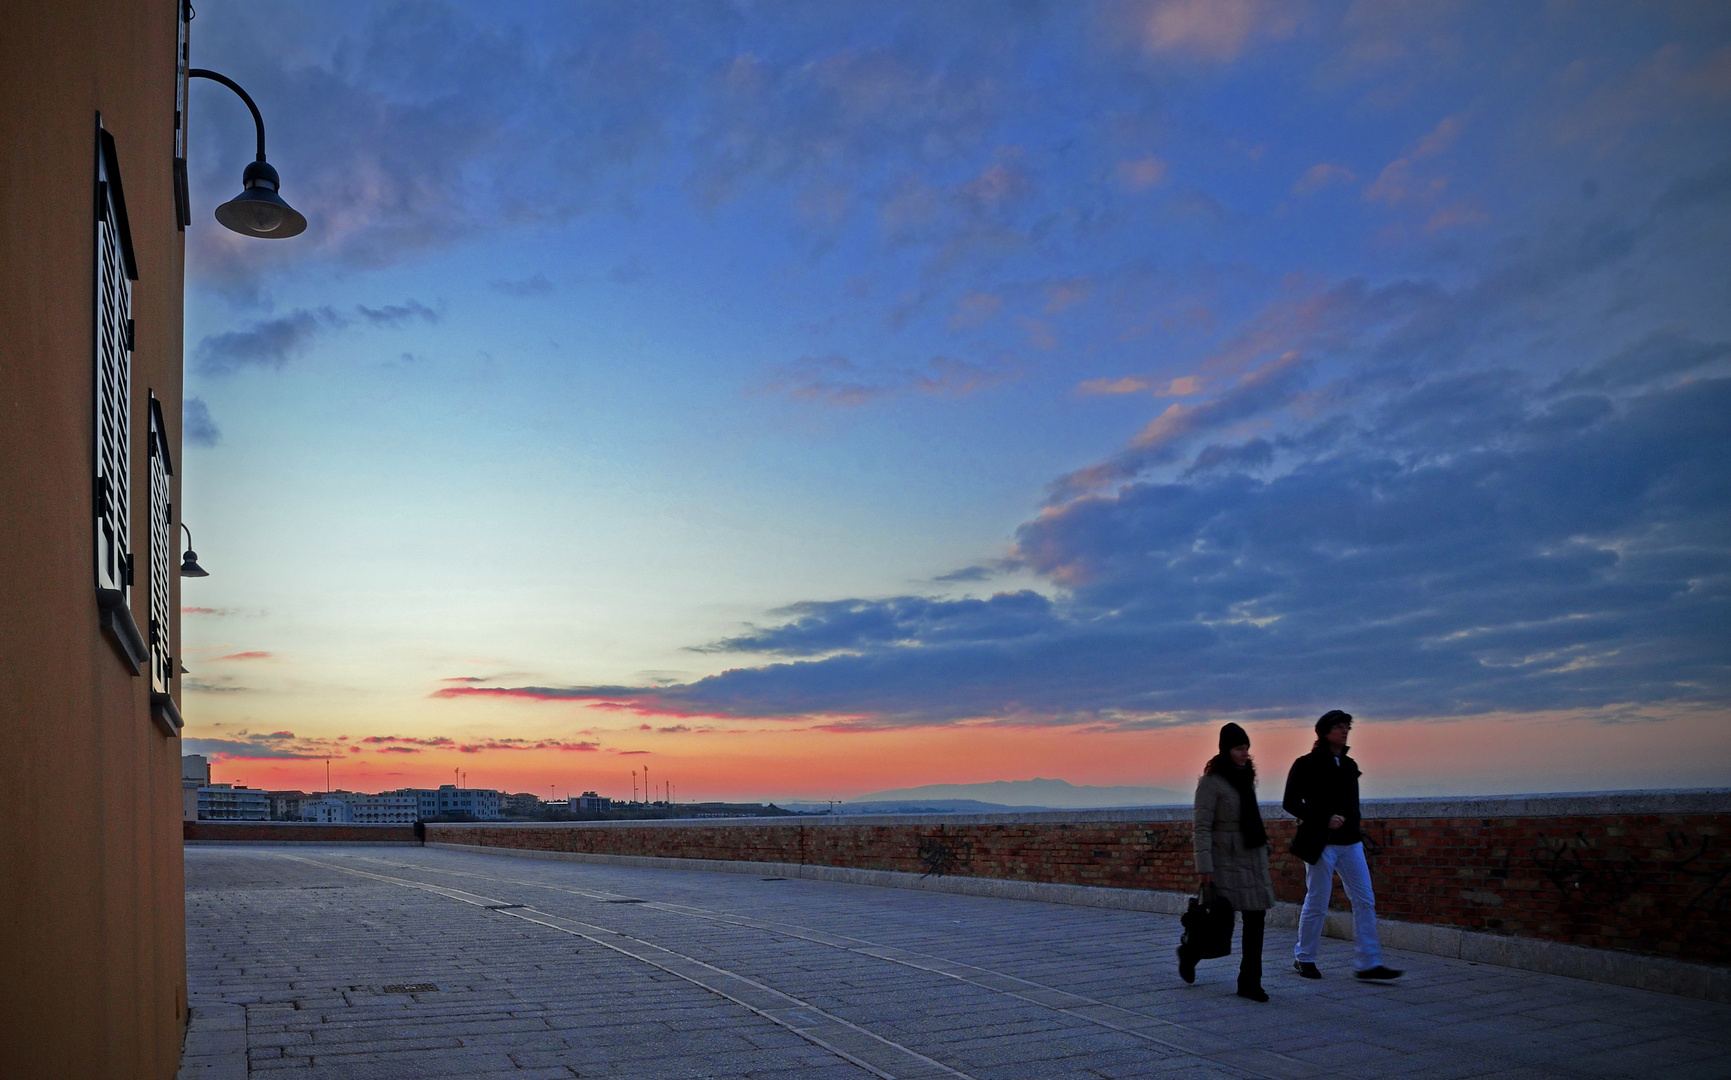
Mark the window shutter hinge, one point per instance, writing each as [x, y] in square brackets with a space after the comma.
[131, 335]
[129, 569]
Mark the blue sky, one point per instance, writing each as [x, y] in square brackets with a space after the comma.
[1067, 369]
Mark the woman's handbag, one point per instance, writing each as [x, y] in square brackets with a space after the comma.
[1207, 925]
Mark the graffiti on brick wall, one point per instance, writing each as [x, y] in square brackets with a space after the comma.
[1587, 877]
[1165, 850]
[1710, 892]
[940, 858]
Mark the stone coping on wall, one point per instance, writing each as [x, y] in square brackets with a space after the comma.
[294, 832]
[1707, 982]
[1565, 804]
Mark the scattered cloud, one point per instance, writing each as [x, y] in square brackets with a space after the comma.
[250, 655]
[1214, 30]
[527, 744]
[196, 426]
[395, 316]
[534, 285]
[1402, 179]
[1322, 175]
[244, 744]
[1064, 295]
[1126, 384]
[974, 308]
[1142, 174]
[271, 343]
[629, 272]
[836, 380]
[268, 343]
[967, 573]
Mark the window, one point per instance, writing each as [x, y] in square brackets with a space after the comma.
[116, 270]
[162, 706]
[182, 59]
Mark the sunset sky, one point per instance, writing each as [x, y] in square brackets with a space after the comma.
[803, 400]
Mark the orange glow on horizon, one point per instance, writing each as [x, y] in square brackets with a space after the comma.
[1478, 755]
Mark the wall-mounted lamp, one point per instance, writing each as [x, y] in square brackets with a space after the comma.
[189, 565]
[258, 210]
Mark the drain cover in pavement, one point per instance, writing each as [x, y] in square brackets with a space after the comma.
[408, 988]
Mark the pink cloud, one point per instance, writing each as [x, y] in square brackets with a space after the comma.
[1061, 295]
[1216, 30]
[973, 309]
[1141, 174]
[1399, 179]
[1322, 175]
[527, 744]
[1128, 384]
[253, 655]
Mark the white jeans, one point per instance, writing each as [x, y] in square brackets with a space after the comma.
[1347, 860]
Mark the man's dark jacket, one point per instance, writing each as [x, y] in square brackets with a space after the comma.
[1316, 789]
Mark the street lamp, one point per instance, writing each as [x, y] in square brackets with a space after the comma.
[258, 210]
[189, 566]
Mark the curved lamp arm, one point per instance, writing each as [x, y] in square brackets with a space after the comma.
[259, 210]
[257, 117]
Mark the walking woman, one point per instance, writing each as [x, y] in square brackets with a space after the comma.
[1232, 853]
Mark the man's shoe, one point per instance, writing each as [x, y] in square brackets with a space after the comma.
[1254, 993]
[1306, 968]
[1380, 972]
[1186, 966]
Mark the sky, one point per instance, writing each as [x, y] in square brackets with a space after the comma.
[796, 401]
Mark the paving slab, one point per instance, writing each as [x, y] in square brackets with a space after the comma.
[328, 962]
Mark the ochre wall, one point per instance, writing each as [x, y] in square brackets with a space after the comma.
[1651, 883]
[92, 917]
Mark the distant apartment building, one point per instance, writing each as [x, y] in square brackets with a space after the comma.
[225, 802]
[589, 802]
[327, 810]
[388, 808]
[522, 803]
[194, 774]
[286, 805]
[449, 800]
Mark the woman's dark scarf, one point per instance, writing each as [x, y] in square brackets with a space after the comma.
[1243, 780]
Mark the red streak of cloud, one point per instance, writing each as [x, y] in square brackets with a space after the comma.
[254, 655]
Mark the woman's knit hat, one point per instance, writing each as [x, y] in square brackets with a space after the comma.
[1232, 735]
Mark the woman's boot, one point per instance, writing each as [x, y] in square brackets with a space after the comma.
[1250, 957]
[1186, 965]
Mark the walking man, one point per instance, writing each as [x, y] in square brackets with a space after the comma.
[1322, 793]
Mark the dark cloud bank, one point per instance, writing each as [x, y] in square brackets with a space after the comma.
[1470, 541]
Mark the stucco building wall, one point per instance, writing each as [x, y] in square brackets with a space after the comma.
[92, 923]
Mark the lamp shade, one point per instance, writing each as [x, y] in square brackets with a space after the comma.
[258, 210]
[189, 565]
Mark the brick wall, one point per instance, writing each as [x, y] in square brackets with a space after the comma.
[276, 831]
[1643, 873]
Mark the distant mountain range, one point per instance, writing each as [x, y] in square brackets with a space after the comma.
[1037, 793]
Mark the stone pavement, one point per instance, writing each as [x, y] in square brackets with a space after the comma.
[368, 962]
